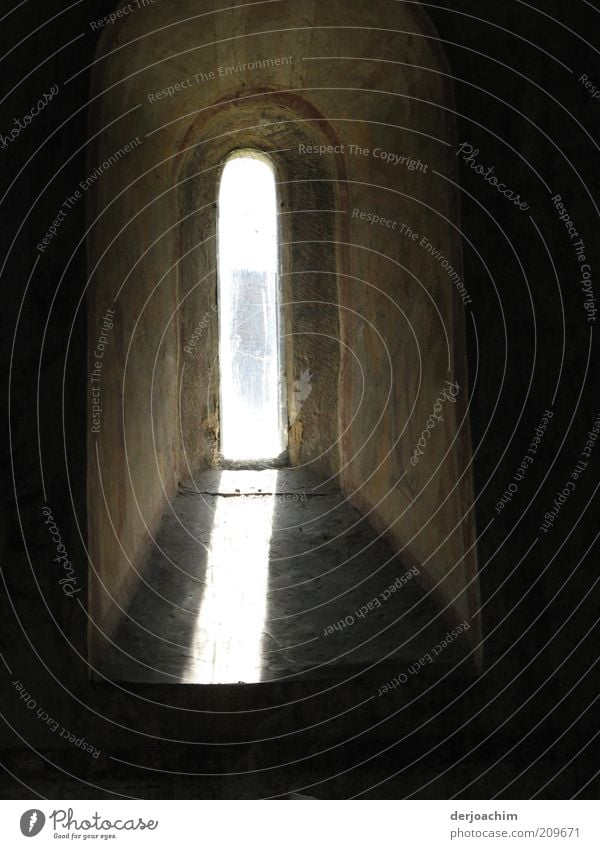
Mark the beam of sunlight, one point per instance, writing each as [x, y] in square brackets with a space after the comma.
[249, 339]
[228, 638]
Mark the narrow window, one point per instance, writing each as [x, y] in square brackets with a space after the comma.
[250, 358]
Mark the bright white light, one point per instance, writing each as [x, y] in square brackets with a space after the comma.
[231, 621]
[249, 361]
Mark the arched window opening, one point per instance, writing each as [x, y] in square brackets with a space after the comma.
[193, 396]
[250, 351]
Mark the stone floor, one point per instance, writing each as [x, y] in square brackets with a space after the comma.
[266, 576]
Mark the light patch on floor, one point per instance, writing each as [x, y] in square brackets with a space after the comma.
[227, 644]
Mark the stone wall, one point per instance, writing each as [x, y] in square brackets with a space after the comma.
[344, 137]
